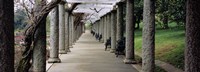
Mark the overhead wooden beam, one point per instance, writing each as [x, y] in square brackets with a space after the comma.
[92, 1]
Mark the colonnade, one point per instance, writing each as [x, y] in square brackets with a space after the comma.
[63, 33]
[111, 26]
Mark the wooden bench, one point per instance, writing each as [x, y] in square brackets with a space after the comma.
[120, 47]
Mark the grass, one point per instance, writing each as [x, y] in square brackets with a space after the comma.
[158, 69]
[169, 45]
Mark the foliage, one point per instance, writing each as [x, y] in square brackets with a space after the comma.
[138, 11]
[20, 19]
[173, 9]
[178, 11]
[158, 69]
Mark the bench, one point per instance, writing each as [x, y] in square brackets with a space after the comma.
[100, 37]
[97, 36]
[108, 43]
[92, 32]
[120, 47]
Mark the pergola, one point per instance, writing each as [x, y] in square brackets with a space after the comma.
[67, 25]
[93, 9]
[106, 17]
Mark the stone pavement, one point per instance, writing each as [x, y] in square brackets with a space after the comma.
[88, 55]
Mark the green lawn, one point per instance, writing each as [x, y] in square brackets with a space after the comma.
[169, 45]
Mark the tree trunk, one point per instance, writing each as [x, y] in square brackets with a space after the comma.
[165, 21]
[148, 45]
[39, 48]
[130, 27]
[192, 50]
[165, 4]
[6, 36]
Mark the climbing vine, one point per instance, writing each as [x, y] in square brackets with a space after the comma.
[24, 64]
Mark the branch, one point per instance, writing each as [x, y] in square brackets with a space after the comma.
[97, 11]
[26, 9]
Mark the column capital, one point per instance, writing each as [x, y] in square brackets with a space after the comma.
[120, 3]
[63, 2]
[109, 13]
[113, 11]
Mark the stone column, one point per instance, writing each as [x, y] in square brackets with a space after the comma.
[99, 27]
[78, 31]
[109, 25]
[102, 29]
[39, 47]
[98, 31]
[73, 31]
[95, 27]
[70, 32]
[120, 21]
[54, 48]
[67, 32]
[148, 37]
[113, 31]
[105, 29]
[62, 28]
[75, 34]
[129, 59]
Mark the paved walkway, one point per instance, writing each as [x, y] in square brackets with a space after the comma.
[88, 55]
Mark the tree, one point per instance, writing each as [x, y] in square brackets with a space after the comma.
[6, 36]
[170, 11]
[20, 19]
[162, 10]
[138, 10]
[177, 11]
[192, 50]
[148, 36]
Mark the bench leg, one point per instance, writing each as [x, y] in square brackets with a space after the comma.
[105, 48]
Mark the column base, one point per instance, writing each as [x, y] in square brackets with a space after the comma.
[70, 46]
[101, 41]
[68, 50]
[129, 61]
[62, 52]
[37, 70]
[112, 50]
[54, 60]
